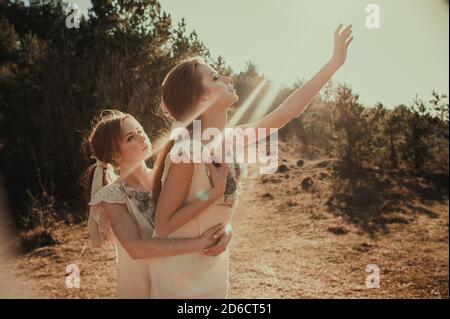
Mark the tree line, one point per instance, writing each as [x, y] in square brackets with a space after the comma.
[54, 79]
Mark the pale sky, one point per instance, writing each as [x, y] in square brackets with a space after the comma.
[289, 39]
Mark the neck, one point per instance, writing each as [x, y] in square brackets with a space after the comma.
[218, 120]
[134, 175]
[214, 119]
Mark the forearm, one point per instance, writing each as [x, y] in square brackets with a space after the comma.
[185, 214]
[161, 247]
[297, 102]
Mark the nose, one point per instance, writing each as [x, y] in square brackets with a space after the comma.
[141, 138]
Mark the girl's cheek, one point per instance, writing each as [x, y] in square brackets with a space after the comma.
[130, 149]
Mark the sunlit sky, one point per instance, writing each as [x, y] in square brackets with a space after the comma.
[290, 39]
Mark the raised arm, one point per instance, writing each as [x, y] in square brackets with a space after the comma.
[126, 231]
[296, 103]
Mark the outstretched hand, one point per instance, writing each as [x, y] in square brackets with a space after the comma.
[342, 40]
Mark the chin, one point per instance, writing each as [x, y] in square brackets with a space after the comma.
[234, 98]
[228, 101]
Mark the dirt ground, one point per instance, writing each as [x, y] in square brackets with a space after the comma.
[290, 241]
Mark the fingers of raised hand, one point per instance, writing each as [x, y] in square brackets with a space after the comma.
[348, 41]
[346, 33]
[338, 29]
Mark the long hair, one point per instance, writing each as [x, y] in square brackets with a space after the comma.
[103, 142]
[181, 91]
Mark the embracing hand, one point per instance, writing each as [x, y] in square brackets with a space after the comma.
[342, 40]
[221, 245]
[211, 236]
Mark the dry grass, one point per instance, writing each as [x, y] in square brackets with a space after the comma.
[292, 243]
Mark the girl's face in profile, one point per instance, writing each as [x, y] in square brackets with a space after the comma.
[220, 92]
[135, 145]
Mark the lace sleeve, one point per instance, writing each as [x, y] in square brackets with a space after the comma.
[98, 224]
[109, 194]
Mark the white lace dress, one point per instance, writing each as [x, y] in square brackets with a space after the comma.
[133, 278]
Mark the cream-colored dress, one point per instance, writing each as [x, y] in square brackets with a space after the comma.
[133, 278]
[196, 275]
